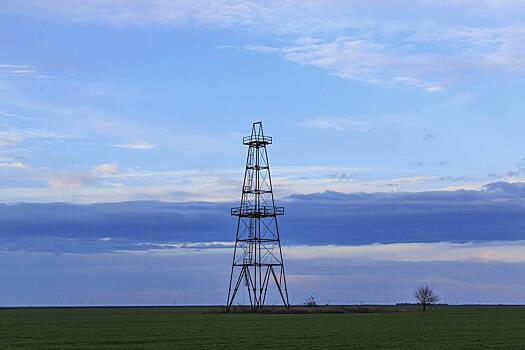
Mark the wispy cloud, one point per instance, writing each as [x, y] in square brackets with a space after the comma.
[512, 251]
[16, 163]
[339, 124]
[286, 185]
[357, 124]
[222, 12]
[83, 179]
[113, 127]
[107, 182]
[7, 114]
[22, 71]
[106, 169]
[69, 179]
[9, 138]
[276, 16]
[18, 70]
[14, 136]
[349, 39]
[412, 58]
[137, 145]
[485, 47]
[364, 60]
[418, 252]
[493, 251]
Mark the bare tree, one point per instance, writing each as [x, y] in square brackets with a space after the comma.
[310, 301]
[425, 296]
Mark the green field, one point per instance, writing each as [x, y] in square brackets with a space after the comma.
[443, 327]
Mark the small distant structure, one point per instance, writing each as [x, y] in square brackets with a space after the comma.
[310, 301]
[257, 258]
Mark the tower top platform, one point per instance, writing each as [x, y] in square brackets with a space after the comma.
[257, 137]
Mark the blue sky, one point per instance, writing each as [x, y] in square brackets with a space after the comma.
[112, 101]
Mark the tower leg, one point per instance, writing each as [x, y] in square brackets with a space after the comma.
[285, 301]
[266, 283]
[239, 280]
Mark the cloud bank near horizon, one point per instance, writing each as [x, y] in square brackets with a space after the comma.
[494, 213]
[340, 247]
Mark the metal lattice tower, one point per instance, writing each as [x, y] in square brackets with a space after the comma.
[257, 258]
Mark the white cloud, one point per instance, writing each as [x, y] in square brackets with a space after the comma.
[106, 169]
[217, 12]
[359, 124]
[9, 138]
[22, 71]
[13, 164]
[83, 179]
[503, 251]
[500, 48]
[70, 179]
[14, 136]
[106, 183]
[18, 70]
[338, 124]
[137, 145]
[272, 15]
[7, 114]
[509, 50]
[431, 60]
[368, 42]
[492, 251]
[364, 60]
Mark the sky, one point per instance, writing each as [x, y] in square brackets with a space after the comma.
[397, 147]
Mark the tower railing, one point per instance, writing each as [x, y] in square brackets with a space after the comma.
[256, 140]
[257, 210]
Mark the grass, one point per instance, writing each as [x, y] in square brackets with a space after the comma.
[443, 327]
[319, 309]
